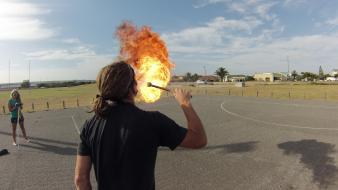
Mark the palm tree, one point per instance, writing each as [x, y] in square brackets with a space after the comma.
[187, 77]
[294, 74]
[221, 72]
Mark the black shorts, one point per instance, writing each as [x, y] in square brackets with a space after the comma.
[15, 120]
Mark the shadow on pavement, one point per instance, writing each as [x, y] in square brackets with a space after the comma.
[44, 139]
[228, 148]
[235, 147]
[51, 148]
[314, 155]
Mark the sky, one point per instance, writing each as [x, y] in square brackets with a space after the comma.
[73, 39]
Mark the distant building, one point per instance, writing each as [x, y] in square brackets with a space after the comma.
[209, 78]
[234, 78]
[11, 86]
[177, 78]
[271, 77]
[334, 72]
[331, 79]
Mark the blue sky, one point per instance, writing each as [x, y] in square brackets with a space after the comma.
[73, 39]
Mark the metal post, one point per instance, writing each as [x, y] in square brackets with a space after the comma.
[47, 105]
[257, 93]
[77, 102]
[3, 109]
[33, 107]
[229, 92]
[289, 95]
[242, 92]
[271, 95]
[63, 104]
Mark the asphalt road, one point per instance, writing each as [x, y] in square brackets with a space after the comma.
[253, 144]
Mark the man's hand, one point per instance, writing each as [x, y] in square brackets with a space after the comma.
[182, 96]
[195, 137]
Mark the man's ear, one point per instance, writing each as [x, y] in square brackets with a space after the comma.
[133, 91]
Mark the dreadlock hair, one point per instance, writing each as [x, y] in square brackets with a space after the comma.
[114, 83]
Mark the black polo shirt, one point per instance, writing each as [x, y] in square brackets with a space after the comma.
[123, 146]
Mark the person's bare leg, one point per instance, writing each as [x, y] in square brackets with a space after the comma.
[14, 133]
[22, 127]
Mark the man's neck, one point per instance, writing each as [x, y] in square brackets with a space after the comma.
[129, 100]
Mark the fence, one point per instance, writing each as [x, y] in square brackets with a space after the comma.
[276, 93]
[45, 105]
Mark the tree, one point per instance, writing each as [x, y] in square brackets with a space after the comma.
[294, 74]
[195, 77]
[321, 73]
[249, 78]
[187, 77]
[309, 76]
[221, 72]
[25, 84]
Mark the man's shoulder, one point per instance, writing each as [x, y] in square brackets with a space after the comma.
[92, 122]
[149, 114]
[136, 111]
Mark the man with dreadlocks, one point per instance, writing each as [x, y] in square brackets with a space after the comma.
[121, 140]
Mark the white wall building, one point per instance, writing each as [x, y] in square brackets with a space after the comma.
[334, 72]
[331, 79]
[270, 77]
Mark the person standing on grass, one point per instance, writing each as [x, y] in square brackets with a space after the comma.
[15, 106]
[121, 140]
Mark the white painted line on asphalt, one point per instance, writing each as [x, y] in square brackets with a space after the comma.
[295, 105]
[272, 123]
[75, 125]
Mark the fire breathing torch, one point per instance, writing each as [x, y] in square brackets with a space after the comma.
[149, 84]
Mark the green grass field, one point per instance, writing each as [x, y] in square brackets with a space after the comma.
[54, 96]
[83, 95]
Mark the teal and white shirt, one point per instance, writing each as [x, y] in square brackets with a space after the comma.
[14, 112]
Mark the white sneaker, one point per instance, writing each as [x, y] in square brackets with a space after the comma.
[14, 144]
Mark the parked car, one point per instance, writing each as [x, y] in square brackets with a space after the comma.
[201, 82]
[204, 82]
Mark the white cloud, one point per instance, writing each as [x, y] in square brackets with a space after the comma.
[203, 3]
[333, 22]
[78, 53]
[250, 45]
[19, 21]
[259, 8]
[214, 34]
[71, 41]
[263, 10]
[306, 53]
[247, 24]
[294, 2]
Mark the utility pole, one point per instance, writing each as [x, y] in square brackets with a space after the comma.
[29, 71]
[29, 75]
[287, 59]
[205, 70]
[9, 74]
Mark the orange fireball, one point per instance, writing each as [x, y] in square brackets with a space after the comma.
[148, 54]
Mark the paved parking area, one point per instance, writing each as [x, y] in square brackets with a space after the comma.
[253, 144]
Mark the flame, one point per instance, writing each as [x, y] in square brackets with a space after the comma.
[148, 55]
